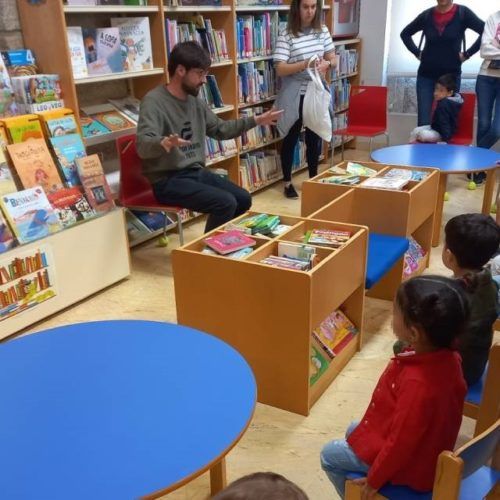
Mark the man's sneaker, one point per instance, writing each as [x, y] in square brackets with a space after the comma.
[290, 192]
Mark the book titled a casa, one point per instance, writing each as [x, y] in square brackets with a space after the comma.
[229, 241]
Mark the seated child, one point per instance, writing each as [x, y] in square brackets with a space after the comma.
[262, 486]
[471, 240]
[416, 409]
[444, 121]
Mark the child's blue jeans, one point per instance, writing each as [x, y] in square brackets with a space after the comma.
[338, 459]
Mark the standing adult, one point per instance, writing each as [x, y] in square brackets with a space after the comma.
[305, 36]
[444, 51]
[173, 124]
[488, 84]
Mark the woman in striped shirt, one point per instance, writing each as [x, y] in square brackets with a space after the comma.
[304, 37]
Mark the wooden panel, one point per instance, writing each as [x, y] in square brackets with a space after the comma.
[340, 209]
[87, 258]
[316, 195]
[387, 287]
[423, 200]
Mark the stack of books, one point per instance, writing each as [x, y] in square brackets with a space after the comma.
[230, 242]
[334, 333]
[333, 238]
[256, 81]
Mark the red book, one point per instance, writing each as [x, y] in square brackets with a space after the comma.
[228, 242]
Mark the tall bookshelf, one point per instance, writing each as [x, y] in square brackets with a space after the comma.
[52, 52]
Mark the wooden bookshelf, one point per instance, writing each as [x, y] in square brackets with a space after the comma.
[408, 212]
[268, 313]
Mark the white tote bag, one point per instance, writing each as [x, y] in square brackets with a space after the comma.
[316, 109]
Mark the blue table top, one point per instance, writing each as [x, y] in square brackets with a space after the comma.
[117, 409]
[447, 157]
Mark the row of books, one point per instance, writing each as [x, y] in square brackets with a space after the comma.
[259, 168]
[219, 149]
[261, 224]
[210, 93]
[256, 34]
[340, 91]
[256, 81]
[106, 2]
[347, 61]
[199, 30]
[257, 135]
[328, 340]
[125, 46]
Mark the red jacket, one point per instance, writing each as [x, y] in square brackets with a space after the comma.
[414, 414]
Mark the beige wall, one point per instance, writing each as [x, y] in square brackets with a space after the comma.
[10, 33]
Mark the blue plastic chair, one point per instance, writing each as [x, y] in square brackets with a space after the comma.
[460, 475]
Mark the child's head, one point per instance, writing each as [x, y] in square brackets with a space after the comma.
[446, 86]
[470, 242]
[262, 486]
[430, 311]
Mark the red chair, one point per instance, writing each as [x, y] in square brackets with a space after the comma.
[367, 114]
[465, 127]
[136, 192]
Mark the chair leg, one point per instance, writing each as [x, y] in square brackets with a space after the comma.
[371, 140]
[165, 224]
[180, 229]
[342, 146]
[386, 139]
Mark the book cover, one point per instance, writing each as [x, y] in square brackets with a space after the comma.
[135, 228]
[403, 173]
[23, 128]
[229, 241]
[102, 50]
[89, 166]
[7, 240]
[67, 149]
[77, 51]
[327, 237]
[113, 120]
[30, 214]
[318, 364]
[152, 220]
[71, 206]
[332, 331]
[91, 127]
[20, 62]
[34, 165]
[129, 106]
[135, 39]
[7, 184]
[385, 183]
[62, 126]
[37, 89]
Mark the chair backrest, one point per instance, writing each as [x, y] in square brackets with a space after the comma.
[135, 189]
[465, 127]
[368, 106]
[489, 408]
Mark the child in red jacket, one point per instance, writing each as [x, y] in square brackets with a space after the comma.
[416, 409]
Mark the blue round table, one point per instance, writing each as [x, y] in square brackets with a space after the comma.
[449, 159]
[118, 409]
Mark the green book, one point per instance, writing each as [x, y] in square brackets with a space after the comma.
[317, 365]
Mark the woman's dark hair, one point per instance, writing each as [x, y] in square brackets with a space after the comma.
[448, 81]
[190, 55]
[473, 239]
[435, 304]
[293, 25]
[262, 486]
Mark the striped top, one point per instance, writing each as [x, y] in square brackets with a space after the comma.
[292, 49]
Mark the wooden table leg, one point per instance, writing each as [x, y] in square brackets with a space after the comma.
[438, 218]
[488, 191]
[218, 477]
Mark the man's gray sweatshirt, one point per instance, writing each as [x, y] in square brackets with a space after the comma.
[163, 114]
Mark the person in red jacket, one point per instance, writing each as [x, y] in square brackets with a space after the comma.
[416, 409]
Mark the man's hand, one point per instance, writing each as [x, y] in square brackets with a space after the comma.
[269, 117]
[173, 141]
[462, 57]
[367, 492]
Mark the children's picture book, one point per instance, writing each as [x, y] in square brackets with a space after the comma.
[94, 183]
[136, 229]
[135, 39]
[358, 169]
[152, 220]
[20, 62]
[113, 120]
[30, 214]
[24, 127]
[8, 105]
[77, 51]
[102, 50]
[7, 184]
[37, 89]
[229, 241]
[327, 237]
[34, 165]
[91, 127]
[334, 332]
[287, 263]
[408, 174]
[71, 206]
[297, 251]
[67, 149]
[129, 106]
[7, 240]
[318, 364]
[385, 183]
[62, 126]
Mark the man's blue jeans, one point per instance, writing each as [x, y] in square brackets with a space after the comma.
[488, 110]
[338, 459]
[425, 97]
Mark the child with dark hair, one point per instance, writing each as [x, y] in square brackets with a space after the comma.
[447, 105]
[262, 486]
[471, 240]
[416, 409]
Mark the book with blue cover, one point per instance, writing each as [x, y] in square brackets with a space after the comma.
[67, 149]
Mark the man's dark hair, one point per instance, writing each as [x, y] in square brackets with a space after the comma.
[473, 239]
[262, 486]
[449, 82]
[190, 55]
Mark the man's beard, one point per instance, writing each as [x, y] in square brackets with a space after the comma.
[194, 91]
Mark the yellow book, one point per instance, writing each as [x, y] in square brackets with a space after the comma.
[23, 127]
